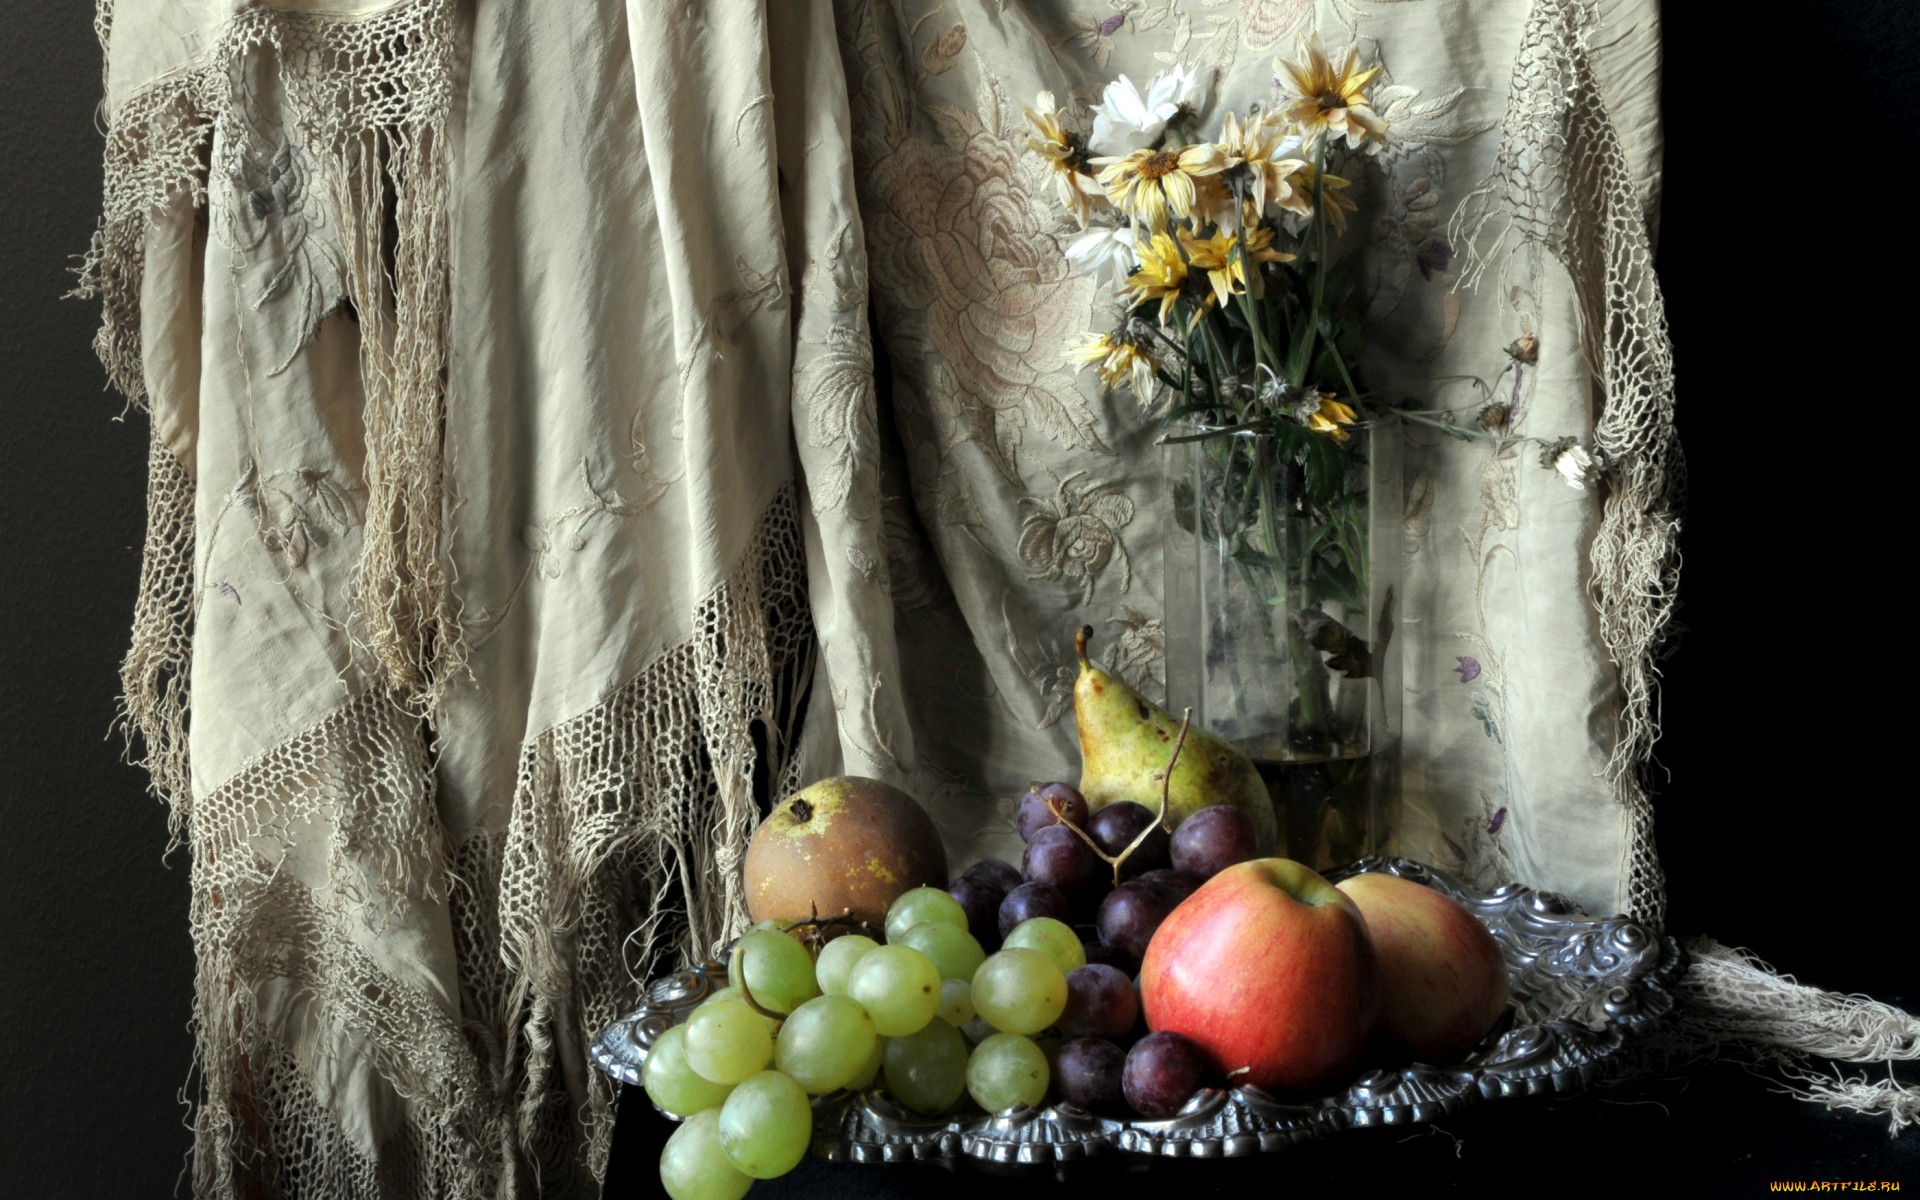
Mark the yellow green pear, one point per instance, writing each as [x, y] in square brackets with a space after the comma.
[1126, 739]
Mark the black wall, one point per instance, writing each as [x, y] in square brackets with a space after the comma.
[1787, 254]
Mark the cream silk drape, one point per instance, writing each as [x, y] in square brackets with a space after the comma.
[520, 476]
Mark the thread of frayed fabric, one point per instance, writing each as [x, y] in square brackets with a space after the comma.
[1561, 182]
[628, 829]
[154, 675]
[370, 99]
[1814, 1043]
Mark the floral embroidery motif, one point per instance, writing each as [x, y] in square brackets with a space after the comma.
[277, 232]
[943, 50]
[1479, 850]
[836, 386]
[1079, 537]
[566, 530]
[1140, 652]
[1409, 236]
[1049, 667]
[968, 248]
[294, 511]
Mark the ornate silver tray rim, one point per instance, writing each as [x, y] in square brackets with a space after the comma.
[1581, 987]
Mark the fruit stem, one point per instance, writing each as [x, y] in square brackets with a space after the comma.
[1080, 637]
[1117, 861]
[746, 993]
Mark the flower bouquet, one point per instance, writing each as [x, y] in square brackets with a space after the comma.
[1238, 323]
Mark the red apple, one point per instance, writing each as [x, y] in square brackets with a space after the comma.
[1268, 969]
[1443, 980]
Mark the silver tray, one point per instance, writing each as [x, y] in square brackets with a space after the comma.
[1581, 987]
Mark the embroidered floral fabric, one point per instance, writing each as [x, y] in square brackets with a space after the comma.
[520, 469]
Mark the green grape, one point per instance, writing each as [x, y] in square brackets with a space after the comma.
[927, 1071]
[921, 905]
[727, 1041]
[1005, 1070]
[674, 1086]
[824, 1043]
[766, 1125]
[977, 1030]
[956, 1002]
[776, 969]
[871, 1070]
[900, 988]
[739, 997]
[1019, 991]
[1055, 939]
[694, 1165]
[953, 950]
[836, 961]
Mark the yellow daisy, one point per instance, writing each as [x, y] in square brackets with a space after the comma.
[1327, 415]
[1256, 154]
[1065, 155]
[1117, 358]
[1149, 184]
[1333, 197]
[1219, 256]
[1324, 98]
[1162, 275]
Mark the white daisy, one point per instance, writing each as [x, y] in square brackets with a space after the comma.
[1105, 255]
[1125, 120]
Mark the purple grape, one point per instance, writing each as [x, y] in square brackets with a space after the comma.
[1088, 1071]
[1031, 900]
[1114, 828]
[1180, 883]
[1036, 808]
[981, 902]
[1057, 856]
[1003, 876]
[1162, 1072]
[1130, 914]
[1213, 839]
[1101, 1003]
[1112, 956]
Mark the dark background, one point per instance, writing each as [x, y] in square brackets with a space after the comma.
[1787, 258]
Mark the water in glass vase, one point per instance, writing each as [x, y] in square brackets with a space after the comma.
[1333, 809]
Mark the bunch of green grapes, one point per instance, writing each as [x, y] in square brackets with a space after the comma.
[927, 1013]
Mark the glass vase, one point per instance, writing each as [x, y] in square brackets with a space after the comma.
[1281, 576]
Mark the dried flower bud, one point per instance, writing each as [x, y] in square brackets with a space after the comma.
[1525, 349]
[1493, 418]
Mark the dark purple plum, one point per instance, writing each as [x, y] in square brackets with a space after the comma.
[1112, 956]
[1130, 914]
[1037, 808]
[1088, 1071]
[1213, 839]
[1114, 828]
[980, 900]
[1101, 1003]
[1180, 883]
[1004, 876]
[1031, 900]
[1057, 856]
[1162, 1072]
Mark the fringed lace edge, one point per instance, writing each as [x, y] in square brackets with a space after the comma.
[369, 99]
[1562, 182]
[622, 850]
